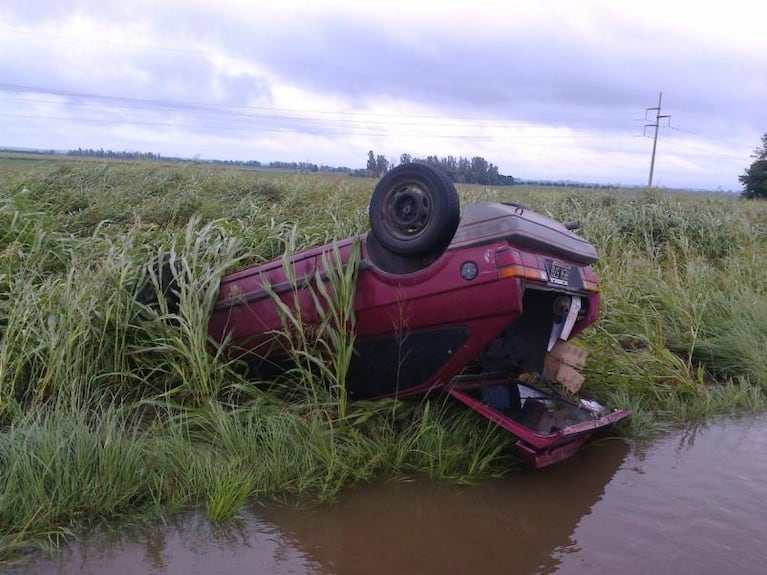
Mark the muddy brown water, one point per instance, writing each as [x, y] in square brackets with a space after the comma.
[692, 502]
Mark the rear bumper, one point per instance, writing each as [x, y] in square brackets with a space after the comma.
[555, 435]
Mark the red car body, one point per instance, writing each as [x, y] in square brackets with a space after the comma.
[497, 304]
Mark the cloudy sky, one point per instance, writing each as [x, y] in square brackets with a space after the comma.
[544, 89]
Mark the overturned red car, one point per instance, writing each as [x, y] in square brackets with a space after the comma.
[472, 303]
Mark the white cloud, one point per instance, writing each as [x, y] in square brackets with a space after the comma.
[554, 88]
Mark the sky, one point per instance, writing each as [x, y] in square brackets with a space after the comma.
[544, 89]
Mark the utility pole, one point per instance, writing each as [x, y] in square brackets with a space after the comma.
[656, 125]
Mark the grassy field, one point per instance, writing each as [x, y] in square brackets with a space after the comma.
[110, 411]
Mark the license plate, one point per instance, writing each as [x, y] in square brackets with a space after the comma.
[559, 274]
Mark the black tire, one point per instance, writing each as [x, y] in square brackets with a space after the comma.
[165, 288]
[414, 211]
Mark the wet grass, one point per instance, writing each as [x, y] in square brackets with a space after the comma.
[111, 410]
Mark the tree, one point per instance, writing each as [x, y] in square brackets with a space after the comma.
[382, 165]
[755, 179]
[479, 170]
[476, 170]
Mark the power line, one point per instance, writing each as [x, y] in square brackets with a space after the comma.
[285, 113]
[547, 142]
[315, 122]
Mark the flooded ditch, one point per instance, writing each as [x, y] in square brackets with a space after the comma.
[690, 502]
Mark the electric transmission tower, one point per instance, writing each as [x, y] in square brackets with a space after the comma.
[656, 125]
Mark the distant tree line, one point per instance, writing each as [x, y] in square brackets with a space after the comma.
[29, 151]
[568, 184]
[309, 167]
[476, 170]
[121, 155]
[296, 166]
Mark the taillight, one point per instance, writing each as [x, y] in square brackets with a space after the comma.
[590, 280]
[512, 263]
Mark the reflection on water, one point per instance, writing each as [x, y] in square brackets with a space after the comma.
[693, 502]
[429, 528]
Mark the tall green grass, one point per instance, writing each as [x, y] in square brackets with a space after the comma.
[320, 351]
[110, 409]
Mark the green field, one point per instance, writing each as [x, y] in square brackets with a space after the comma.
[109, 411]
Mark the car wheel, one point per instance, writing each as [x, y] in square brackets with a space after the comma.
[414, 211]
[164, 287]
